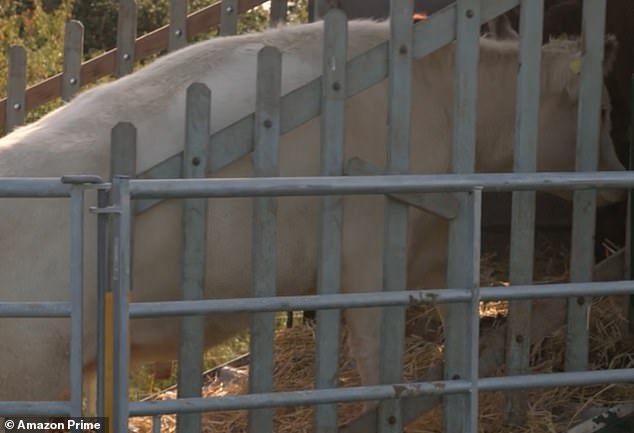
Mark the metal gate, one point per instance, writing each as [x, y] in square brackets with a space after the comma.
[325, 96]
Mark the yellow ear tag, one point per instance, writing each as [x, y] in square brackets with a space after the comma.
[575, 66]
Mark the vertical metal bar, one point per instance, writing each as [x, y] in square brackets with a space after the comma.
[523, 212]
[192, 344]
[73, 54]
[278, 12]
[126, 37]
[156, 424]
[630, 218]
[396, 213]
[16, 91]
[229, 17]
[102, 288]
[123, 153]
[313, 14]
[122, 162]
[457, 414]
[265, 160]
[121, 288]
[76, 289]
[178, 25]
[473, 327]
[331, 222]
[584, 203]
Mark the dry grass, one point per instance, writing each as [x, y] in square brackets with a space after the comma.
[552, 410]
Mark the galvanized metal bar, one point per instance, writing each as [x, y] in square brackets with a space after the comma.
[156, 424]
[265, 163]
[367, 300]
[378, 392]
[364, 71]
[630, 219]
[126, 37]
[123, 155]
[73, 56]
[302, 104]
[39, 408]
[34, 309]
[177, 25]
[121, 240]
[76, 290]
[332, 135]
[523, 207]
[102, 288]
[407, 184]
[229, 17]
[279, 9]
[439, 29]
[16, 88]
[457, 414]
[584, 203]
[392, 329]
[313, 13]
[472, 360]
[192, 342]
[33, 187]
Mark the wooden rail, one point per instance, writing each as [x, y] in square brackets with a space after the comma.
[104, 64]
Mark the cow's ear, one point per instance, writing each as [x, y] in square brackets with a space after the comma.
[609, 53]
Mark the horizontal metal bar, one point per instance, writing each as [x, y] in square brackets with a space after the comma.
[80, 179]
[337, 185]
[34, 309]
[324, 302]
[556, 290]
[374, 299]
[295, 303]
[34, 408]
[379, 392]
[33, 187]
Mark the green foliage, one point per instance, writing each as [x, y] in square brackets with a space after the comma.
[41, 33]
[38, 25]
[100, 16]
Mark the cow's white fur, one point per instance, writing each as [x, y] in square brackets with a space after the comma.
[75, 139]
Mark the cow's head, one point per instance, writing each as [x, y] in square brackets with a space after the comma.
[561, 82]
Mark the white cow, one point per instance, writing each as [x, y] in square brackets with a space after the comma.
[34, 253]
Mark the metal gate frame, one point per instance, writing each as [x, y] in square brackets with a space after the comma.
[74, 188]
[126, 191]
[278, 115]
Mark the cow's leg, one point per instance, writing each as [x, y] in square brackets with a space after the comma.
[363, 342]
[362, 272]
